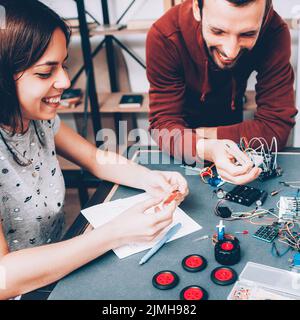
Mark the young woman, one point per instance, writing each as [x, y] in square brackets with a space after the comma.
[33, 51]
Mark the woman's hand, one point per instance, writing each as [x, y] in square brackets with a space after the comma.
[134, 225]
[162, 183]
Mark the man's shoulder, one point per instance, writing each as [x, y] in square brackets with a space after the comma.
[276, 25]
[167, 25]
[276, 35]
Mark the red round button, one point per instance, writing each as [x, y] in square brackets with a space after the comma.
[223, 276]
[165, 280]
[194, 263]
[227, 246]
[193, 293]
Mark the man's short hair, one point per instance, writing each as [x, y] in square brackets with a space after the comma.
[239, 3]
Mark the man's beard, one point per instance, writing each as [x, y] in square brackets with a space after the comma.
[211, 54]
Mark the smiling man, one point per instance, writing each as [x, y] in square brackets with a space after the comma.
[200, 55]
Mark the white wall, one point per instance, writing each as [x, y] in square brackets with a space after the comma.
[152, 9]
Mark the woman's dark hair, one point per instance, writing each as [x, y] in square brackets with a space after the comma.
[29, 25]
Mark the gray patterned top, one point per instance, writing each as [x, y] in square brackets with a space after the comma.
[31, 197]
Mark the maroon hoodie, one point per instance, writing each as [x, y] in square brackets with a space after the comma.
[187, 91]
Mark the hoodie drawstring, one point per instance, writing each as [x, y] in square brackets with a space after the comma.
[233, 93]
[205, 82]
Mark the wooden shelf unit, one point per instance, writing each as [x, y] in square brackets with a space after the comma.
[109, 104]
[121, 32]
[94, 31]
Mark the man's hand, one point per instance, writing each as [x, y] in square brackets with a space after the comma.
[232, 164]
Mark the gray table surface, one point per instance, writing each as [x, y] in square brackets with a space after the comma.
[109, 278]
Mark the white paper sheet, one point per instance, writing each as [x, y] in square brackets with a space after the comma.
[103, 213]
